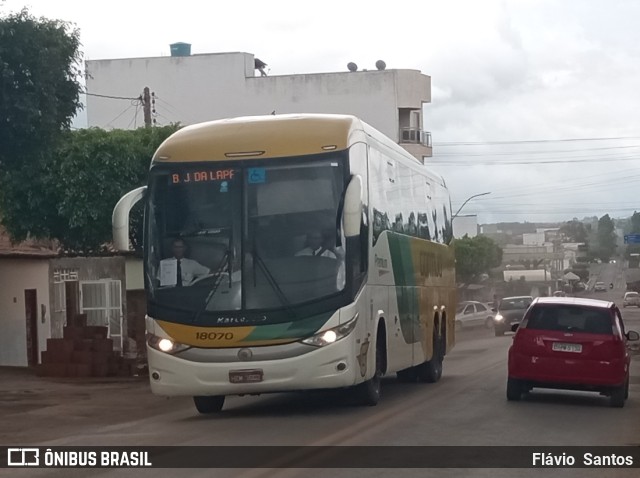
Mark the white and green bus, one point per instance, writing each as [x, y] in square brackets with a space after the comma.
[317, 257]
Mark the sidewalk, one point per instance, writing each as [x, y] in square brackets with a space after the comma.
[36, 408]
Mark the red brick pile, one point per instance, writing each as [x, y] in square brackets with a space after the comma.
[85, 351]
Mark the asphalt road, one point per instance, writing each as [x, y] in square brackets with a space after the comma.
[467, 407]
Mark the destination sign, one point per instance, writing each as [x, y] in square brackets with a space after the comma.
[202, 176]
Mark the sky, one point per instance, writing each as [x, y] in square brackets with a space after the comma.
[534, 101]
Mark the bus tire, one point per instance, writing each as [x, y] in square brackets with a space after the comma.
[431, 370]
[209, 404]
[368, 393]
[443, 338]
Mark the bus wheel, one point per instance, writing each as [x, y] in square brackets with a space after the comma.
[368, 393]
[212, 404]
[431, 370]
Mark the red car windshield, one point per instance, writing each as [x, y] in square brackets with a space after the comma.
[571, 318]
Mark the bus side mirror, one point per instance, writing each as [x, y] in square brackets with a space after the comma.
[352, 211]
[120, 217]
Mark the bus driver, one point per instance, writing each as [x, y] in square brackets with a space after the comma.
[179, 271]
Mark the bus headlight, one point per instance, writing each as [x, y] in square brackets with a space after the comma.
[499, 318]
[165, 345]
[330, 336]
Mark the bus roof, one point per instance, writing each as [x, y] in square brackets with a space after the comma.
[260, 137]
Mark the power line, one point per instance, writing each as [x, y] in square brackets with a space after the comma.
[532, 141]
[113, 97]
[134, 120]
[540, 161]
[555, 212]
[127, 109]
[556, 192]
[511, 153]
[604, 177]
[579, 204]
[172, 109]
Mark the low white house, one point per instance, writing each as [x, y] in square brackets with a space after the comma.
[33, 302]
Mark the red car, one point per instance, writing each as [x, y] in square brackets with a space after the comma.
[571, 343]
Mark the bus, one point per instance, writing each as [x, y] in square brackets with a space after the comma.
[290, 253]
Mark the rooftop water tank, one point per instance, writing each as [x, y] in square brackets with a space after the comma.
[180, 49]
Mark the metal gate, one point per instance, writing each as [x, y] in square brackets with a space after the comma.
[101, 300]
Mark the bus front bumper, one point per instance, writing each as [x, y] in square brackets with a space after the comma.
[332, 366]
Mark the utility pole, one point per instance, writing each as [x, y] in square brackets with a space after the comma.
[146, 104]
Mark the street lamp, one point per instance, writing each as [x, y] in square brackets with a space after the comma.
[469, 199]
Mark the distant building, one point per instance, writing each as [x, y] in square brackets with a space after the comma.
[532, 256]
[465, 226]
[533, 239]
[190, 89]
[537, 275]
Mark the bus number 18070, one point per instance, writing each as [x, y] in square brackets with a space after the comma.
[214, 335]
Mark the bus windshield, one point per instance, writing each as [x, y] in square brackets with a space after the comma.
[226, 238]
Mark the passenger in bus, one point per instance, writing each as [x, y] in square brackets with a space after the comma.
[316, 246]
[179, 271]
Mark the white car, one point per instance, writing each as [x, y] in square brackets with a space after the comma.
[631, 298]
[600, 287]
[472, 314]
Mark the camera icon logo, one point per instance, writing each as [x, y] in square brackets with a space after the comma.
[23, 457]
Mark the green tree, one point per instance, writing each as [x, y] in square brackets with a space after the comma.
[39, 87]
[606, 238]
[634, 223]
[77, 190]
[475, 256]
[574, 231]
[39, 95]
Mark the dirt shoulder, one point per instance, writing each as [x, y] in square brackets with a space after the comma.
[36, 409]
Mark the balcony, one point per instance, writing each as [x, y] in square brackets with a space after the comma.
[416, 142]
[415, 136]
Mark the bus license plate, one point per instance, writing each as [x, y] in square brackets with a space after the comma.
[245, 376]
[560, 347]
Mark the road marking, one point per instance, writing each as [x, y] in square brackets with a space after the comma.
[370, 425]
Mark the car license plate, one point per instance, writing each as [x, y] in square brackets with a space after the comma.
[245, 376]
[561, 347]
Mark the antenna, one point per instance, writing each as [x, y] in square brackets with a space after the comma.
[381, 65]
[352, 66]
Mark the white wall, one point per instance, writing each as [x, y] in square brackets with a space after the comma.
[213, 86]
[533, 239]
[529, 275]
[16, 275]
[134, 272]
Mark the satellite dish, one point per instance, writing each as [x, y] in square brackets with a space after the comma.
[380, 65]
[352, 66]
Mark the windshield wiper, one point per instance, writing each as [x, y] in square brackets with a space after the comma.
[272, 282]
[217, 279]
